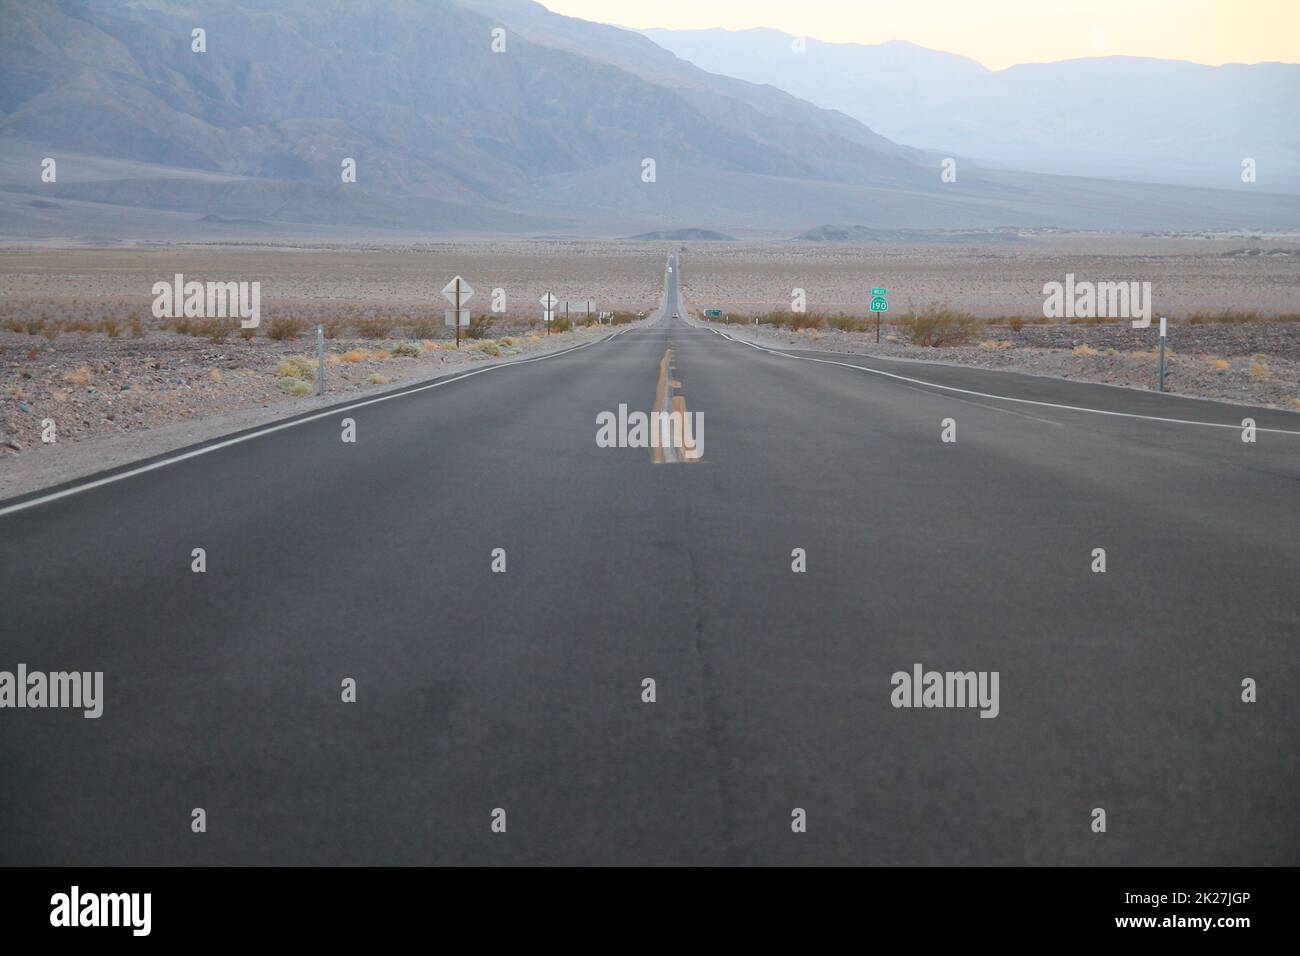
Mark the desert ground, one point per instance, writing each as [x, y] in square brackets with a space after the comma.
[79, 344]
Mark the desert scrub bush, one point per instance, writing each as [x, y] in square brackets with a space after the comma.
[247, 334]
[377, 379]
[405, 350]
[33, 326]
[78, 376]
[1015, 323]
[52, 331]
[422, 328]
[333, 328]
[480, 325]
[214, 330]
[806, 321]
[109, 327]
[560, 325]
[1084, 349]
[940, 327]
[356, 355]
[283, 328]
[486, 347]
[1261, 371]
[1234, 317]
[505, 342]
[295, 366]
[847, 323]
[294, 386]
[372, 329]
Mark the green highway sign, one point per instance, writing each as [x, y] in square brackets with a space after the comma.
[713, 313]
[879, 304]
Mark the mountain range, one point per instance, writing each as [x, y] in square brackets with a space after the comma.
[1115, 117]
[451, 133]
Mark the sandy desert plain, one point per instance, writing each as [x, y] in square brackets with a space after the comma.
[79, 343]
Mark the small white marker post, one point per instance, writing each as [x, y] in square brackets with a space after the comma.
[1164, 324]
[320, 360]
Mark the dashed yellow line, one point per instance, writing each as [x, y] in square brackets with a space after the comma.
[665, 403]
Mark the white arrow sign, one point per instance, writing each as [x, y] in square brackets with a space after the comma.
[548, 302]
[449, 291]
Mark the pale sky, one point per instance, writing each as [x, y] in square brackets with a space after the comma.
[998, 33]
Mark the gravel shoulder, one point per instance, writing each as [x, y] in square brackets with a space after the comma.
[1248, 363]
[114, 401]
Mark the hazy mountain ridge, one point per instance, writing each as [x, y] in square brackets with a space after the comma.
[1115, 117]
[548, 136]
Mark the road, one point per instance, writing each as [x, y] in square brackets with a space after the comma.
[522, 690]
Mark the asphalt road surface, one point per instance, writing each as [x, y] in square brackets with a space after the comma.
[523, 690]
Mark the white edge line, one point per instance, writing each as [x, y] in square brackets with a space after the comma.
[1005, 398]
[131, 473]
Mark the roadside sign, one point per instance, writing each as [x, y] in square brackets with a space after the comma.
[457, 285]
[879, 304]
[713, 313]
[457, 292]
[549, 302]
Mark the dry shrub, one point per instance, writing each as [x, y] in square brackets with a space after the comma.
[283, 329]
[295, 366]
[372, 329]
[941, 327]
[78, 376]
[214, 330]
[480, 325]
[422, 328]
[294, 386]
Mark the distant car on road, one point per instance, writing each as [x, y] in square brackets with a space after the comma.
[676, 316]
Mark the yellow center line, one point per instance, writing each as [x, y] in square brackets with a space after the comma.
[661, 401]
[666, 403]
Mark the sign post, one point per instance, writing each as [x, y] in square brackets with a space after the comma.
[320, 360]
[879, 303]
[1164, 324]
[457, 292]
[548, 310]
